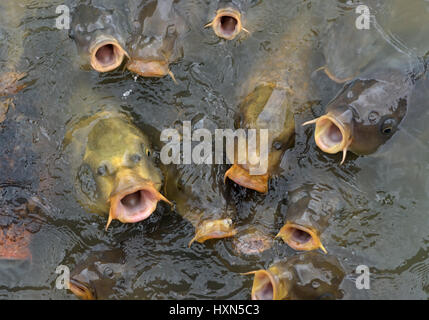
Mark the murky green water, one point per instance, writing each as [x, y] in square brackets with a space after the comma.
[386, 225]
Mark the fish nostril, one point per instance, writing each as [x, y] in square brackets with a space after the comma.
[300, 236]
[106, 54]
[228, 24]
[132, 200]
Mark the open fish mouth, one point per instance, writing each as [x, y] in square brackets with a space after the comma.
[227, 24]
[332, 135]
[150, 68]
[134, 204]
[81, 290]
[300, 238]
[264, 285]
[107, 55]
[243, 178]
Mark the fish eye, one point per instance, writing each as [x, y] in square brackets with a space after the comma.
[277, 145]
[102, 170]
[136, 158]
[146, 150]
[388, 126]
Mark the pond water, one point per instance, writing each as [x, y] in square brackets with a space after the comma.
[385, 226]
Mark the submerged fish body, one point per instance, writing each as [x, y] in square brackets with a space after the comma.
[258, 222]
[21, 216]
[405, 27]
[117, 174]
[264, 109]
[157, 37]
[22, 206]
[348, 50]
[199, 197]
[394, 25]
[96, 277]
[16, 231]
[100, 31]
[380, 72]
[12, 32]
[279, 87]
[307, 276]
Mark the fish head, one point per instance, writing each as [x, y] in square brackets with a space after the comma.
[270, 127]
[99, 34]
[270, 285]
[316, 277]
[228, 20]
[308, 275]
[96, 277]
[157, 44]
[119, 159]
[15, 243]
[306, 218]
[362, 117]
[301, 238]
[199, 198]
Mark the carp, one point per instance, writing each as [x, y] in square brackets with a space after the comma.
[96, 277]
[278, 90]
[310, 276]
[117, 174]
[157, 39]
[100, 31]
[378, 83]
[309, 210]
[199, 197]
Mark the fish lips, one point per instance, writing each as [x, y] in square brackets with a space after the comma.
[227, 24]
[331, 134]
[243, 178]
[149, 68]
[300, 237]
[213, 229]
[135, 203]
[265, 285]
[106, 54]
